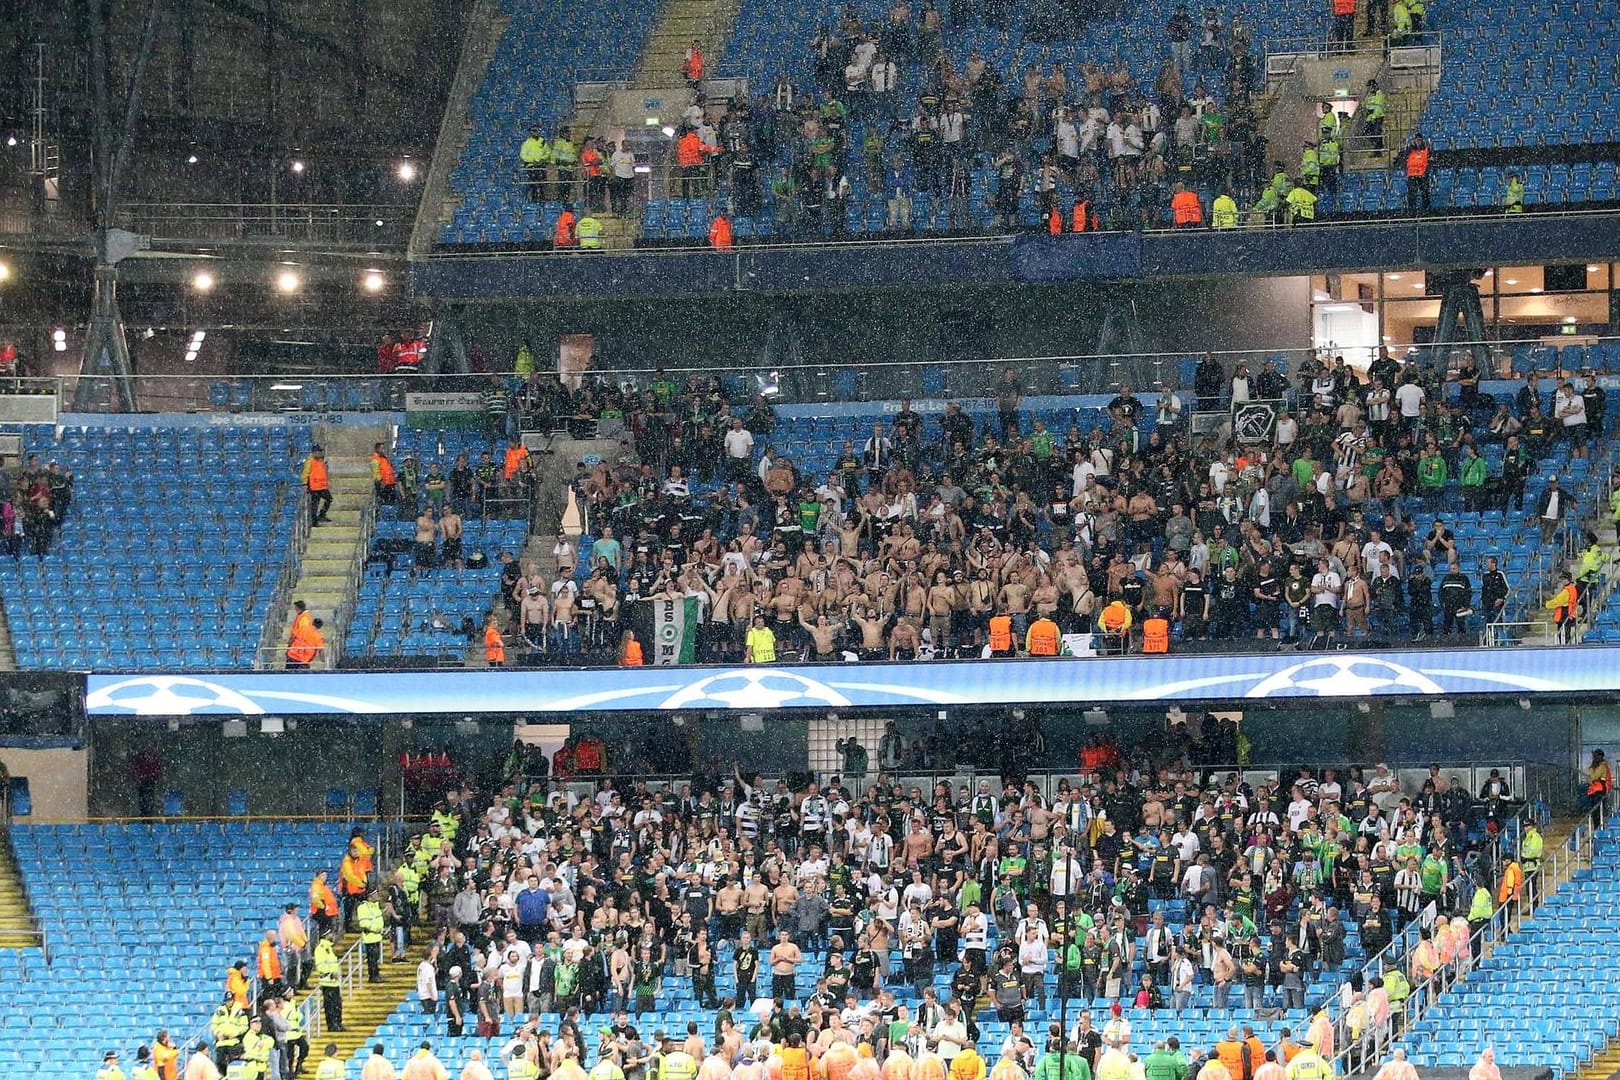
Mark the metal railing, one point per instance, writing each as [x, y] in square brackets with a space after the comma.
[1558, 866]
[351, 975]
[969, 381]
[358, 224]
[270, 638]
[357, 563]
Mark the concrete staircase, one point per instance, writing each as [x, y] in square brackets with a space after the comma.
[369, 1004]
[328, 573]
[486, 23]
[708, 22]
[17, 928]
[8, 650]
[552, 504]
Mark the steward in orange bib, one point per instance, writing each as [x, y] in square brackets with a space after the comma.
[1001, 638]
[494, 646]
[1185, 208]
[1042, 639]
[565, 236]
[383, 478]
[1156, 636]
[1083, 220]
[305, 642]
[318, 485]
[720, 233]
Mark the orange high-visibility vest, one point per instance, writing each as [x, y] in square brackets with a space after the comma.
[1155, 636]
[1083, 221]
[322, 901]
[316, 479]
[1116, 618]
[1344, 7]
[1512, 882]
[269, 962]
[385, 470]
[236, 985]
[305, 643]
[1054, 222]
[513, 461]
[564, 236]
[632, 654]
[1186, 209]
[1417, 162]
[494, 647]
[720, 233]
[1042, 639]
[1001, 633]
[352, 879]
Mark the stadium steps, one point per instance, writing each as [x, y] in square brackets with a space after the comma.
[8, 652]
[17, 927]
[708, 22]
[1605, 1066]
[371, 1003]
[335, 551]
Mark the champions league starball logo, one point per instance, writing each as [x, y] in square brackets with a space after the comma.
[1344, 676]
[750, 688]
[170, 695]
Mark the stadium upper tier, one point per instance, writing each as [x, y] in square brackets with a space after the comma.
[1549, 83]
[1545, 88]
[544, 51]
[165, 553]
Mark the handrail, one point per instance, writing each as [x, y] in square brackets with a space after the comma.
[1557, 867]
[1397, 955]
[275, 626]
[351, 599]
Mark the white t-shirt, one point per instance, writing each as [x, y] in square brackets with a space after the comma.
[1410, 398]
[739, 443]
[1374, 556]
[1325, 588]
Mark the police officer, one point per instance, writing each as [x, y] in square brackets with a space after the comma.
[536, 157]
[331, 1067]
[1310, 166]
[1301, 204]
[143, 1065]
[589, 231]
[109, 1067]
[327, 970]
[372, 926]
[520, 1066]
[295, 1042]
[1373, 107]
[228, 1024]
[1513, 198]
[256, 1050]
[1223, 212]
[1328, 154]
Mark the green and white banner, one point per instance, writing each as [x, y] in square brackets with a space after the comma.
[675, 630]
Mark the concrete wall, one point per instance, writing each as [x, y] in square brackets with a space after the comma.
[58, 781]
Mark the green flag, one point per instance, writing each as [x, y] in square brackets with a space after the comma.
[675, 627]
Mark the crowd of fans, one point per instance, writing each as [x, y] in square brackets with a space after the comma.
[892, 119]
[867, 918]
[33, 505]
[999, 537]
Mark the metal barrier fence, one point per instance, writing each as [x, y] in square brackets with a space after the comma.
[1558, 865]
[350, 225]
[971, 380]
